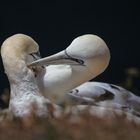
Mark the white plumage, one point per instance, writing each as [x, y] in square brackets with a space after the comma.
[63, 77]
[25, 94]
[85, 58]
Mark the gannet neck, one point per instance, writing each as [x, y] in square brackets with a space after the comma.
[25, 97]
[16, 52]
[24, 85]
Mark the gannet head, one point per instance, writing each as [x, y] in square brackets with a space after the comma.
[89, 51]
[17, 51]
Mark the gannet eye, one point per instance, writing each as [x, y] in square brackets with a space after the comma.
[36, 55]
[35, 69]
[79, 61]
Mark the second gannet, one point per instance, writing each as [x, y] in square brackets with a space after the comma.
[84, 59]
[25, 97]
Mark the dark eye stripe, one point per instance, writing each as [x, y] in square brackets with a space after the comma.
[36, 56]
[74, 59]
[33, 56]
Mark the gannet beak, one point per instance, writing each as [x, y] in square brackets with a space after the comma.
[58, 59]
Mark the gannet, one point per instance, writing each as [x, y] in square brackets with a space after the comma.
[85, 58]
[25, 97]
[66, 72]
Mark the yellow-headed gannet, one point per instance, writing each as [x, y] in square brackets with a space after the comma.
[25, 98]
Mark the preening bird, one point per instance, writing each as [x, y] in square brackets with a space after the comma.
[17, 51]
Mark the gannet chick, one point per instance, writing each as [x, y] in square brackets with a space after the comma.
[85, 58]
[25, 97]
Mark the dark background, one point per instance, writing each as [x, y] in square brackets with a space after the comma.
[55, 24]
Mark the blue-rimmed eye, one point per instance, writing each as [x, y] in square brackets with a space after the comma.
[36, 55]
[81, 62]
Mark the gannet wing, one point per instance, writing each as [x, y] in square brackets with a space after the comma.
[88, 94]
[91, 90]
[100, 94]
[134, 105]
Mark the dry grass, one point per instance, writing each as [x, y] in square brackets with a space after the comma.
[69, 127]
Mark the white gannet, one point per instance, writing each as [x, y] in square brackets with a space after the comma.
[25, 97]
[85, 58]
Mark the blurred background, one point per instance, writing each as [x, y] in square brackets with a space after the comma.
[55, 24]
